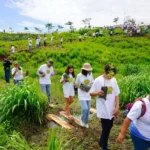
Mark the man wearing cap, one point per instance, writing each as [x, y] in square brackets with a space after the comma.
[17, 73]
[7, 64]
[84, 82]
[45, 72]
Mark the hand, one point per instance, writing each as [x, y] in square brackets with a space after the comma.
[100, 93]
[43, 75]
[120, 138]
[115, 112]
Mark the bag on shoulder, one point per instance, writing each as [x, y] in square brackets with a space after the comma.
[129, 106]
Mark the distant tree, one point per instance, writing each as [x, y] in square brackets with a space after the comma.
[60, 27]
[49, 26]
[37, 29]
[26, 29]
[132, 21]
[86, 22]
[116, 20]
[70, 24]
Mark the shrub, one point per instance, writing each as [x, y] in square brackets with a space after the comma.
[23, 101]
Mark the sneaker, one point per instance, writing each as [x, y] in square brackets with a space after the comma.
[82, 123]
[86, 125]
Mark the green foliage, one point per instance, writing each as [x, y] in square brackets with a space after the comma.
[132, 87]
[24, 102]
[130, 69]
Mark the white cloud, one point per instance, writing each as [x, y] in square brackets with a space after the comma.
[102, 12]
[30, 24]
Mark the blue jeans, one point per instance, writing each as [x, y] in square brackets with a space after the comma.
[30, 47]
[139, 144]
[85, 106]
[7, 75]
[46, 90]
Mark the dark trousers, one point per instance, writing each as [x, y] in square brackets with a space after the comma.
[106, 127]
[140, 144]
[7, 75]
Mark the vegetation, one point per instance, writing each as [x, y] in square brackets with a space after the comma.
[26, 103]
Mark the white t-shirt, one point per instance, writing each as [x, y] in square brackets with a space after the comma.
[19, 73]
[142, 123]
[30, 42]
[82, 79]
[37, 41]
[52, 38]
[100, 32]
[106, 107]
[68, 87]
[45, 39]
[61, 39]
[13, 49]
[48, 71]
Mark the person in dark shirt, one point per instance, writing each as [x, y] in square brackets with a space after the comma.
[7, 64]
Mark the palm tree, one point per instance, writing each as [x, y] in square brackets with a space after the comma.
[36, 29]
[49, 26]
[86, 22]
[60, 27]
[116, 20]
[70, 25]
[26, 28]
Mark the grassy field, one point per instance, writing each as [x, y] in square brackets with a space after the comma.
[130, 56]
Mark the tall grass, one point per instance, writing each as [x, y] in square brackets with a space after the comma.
[133, 86]
[24, 101]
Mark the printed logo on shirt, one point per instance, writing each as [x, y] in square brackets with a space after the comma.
[70, 79]
[19, 72]
[48, 71]
[110, 89]
[87, 82]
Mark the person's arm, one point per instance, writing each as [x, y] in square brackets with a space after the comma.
[14, 72]
[124, 128]
[39, 74]
[116, 110]
[99, 93]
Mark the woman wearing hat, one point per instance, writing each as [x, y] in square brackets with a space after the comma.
[84, 81]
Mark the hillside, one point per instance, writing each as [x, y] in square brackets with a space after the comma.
[129, 54]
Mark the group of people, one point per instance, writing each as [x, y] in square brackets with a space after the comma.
[106, 90]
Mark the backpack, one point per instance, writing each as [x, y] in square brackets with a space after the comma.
[129, 106]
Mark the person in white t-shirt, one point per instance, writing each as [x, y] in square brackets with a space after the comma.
[80, 38]
[45, 72]
[100, 33]
[139, 125]
[68, 88]
[40, 41]
[29, 44]
[17, 73]
[84, 82]
[37, 42]
[85, 35]
[106, 90]
[51, 40]
[61, 40]
[12, 49]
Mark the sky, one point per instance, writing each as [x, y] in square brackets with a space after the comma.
[18, 14]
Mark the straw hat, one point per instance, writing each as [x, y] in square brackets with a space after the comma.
[15, 62]
[86, 67]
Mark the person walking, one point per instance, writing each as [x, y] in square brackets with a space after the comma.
[106, 90]
[12, 49]
[84, 82]
[45, 40]
[17, 73]
[29, 44]
[61, 40]
[37, 42]
[45, 72]
[67, 80]
[138, 124]
[7, 64]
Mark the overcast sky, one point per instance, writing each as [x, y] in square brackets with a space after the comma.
[36, 13]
